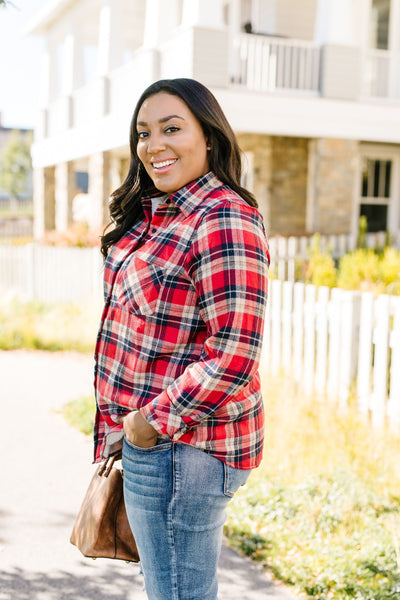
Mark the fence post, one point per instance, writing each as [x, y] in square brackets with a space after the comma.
[321, 358]
[348, 344]
[276, 326]
[334, 344]
[282, 258]
[381, 354]
[31, 271]
[365, 353]
[292, 253]
[394, 395]
[298, 326]
[309, 338]
[287, 307]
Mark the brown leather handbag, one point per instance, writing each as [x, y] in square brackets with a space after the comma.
[101, 528]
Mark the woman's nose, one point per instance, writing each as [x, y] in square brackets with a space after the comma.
[156, 144]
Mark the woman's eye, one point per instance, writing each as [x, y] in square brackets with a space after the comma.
[142, 134]
[171, 129]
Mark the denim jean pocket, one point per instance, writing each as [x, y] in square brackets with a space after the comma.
[233, 479]
[161, 444]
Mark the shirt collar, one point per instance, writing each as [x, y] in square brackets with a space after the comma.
[190, 196]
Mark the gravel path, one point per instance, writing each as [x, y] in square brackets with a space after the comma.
[45, 469]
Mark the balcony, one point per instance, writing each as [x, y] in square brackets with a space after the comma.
[268, 64]
[380, 77]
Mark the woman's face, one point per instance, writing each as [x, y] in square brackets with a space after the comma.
[171, 143]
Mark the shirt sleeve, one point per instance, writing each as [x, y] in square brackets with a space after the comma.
[228, 265]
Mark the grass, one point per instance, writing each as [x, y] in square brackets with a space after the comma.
[322, 513]
[80, 414]
[53, 327]
[323, 510]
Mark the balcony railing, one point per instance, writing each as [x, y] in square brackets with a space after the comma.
[381, 74]
[269, 64]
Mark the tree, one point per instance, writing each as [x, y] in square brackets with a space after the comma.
[15, 164]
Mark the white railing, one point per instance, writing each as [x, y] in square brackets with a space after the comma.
[274, 64]
[332, 341]
[380, 77]
[51, 274]
[286, 252]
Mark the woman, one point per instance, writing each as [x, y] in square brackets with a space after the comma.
[180, 338]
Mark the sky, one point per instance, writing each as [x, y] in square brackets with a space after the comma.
[19, 64]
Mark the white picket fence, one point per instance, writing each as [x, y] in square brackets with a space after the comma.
[286, 252]
[51, 274]
[329, 341]
[335, 341]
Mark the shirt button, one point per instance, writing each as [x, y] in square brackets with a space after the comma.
[153, 230]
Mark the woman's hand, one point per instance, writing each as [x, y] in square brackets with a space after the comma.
[138, 431]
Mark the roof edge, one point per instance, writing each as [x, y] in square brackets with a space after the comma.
[42, 21]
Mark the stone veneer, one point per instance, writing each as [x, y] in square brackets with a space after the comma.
[280, 180]
[304, 185]
[333, 185]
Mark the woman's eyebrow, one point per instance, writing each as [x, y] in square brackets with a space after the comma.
[162, 120]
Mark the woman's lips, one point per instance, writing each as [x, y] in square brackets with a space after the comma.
[163, 165]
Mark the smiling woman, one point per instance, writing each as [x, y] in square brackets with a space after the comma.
[172, 147]
[177, 383]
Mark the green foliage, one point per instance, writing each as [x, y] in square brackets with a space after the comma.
[15, 164]
[364, 269]
[362, 232]
[35, 325]
[359, 270]
[80, 414]
[323, 510]
[321, 267]
[368, 270]
[330, 536]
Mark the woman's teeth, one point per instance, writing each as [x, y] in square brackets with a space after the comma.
[165, 163]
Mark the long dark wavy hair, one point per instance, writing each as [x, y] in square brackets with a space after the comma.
[224, 155]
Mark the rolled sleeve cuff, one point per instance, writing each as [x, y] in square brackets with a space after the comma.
[161, 415]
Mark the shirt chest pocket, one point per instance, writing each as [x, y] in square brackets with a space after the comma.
[148, 288]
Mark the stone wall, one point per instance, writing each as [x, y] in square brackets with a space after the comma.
[289, 185]
[333, 185]
[260, 147]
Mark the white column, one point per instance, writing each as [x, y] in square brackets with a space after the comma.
[161, 18]
[234, 27]
[111, 36]
[64, 192]
[203, 13]
[73, 63]
[49, 75]
[335, 22]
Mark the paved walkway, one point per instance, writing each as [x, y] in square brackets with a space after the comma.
[45, 469]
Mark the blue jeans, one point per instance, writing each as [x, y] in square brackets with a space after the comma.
[175, 498]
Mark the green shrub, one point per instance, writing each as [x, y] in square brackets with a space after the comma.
[389, 267]
[320, 268]
[36, 325]
[359, 270]
[323, 510]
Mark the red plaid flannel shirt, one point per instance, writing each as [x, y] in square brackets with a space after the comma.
[181, 332]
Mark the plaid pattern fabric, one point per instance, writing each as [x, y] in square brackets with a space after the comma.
[181, 331]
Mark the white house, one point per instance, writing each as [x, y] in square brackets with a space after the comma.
[312, 88]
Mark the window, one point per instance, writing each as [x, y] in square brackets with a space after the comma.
[82, 181]
[376, 192]
[380, 19]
